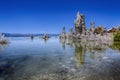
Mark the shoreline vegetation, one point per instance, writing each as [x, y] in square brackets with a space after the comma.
[117, 36]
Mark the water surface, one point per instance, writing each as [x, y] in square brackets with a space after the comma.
[38, 59]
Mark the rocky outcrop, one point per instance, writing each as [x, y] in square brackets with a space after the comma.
[3, 40]
[80, 24]
[83, 34]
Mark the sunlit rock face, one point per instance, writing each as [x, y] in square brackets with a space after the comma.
[92, 34]
[80, 23]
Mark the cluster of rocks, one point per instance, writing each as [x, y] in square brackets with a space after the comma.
[83, 34]
[45, 36]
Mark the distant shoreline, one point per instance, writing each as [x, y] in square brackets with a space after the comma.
[26, 35]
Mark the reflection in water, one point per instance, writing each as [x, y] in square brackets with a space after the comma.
[80, 52]
[32, 37]
[3, 46]
[116, 46]
[46, 39]
[94, 59]
[63, 41]
[82, 48]
[70, 42]
[91, 47]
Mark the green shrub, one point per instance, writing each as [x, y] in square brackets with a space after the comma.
[117, 36]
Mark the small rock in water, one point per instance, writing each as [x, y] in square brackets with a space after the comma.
[73, 70]
[105, 57]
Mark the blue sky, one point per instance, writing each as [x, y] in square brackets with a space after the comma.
[39, 16]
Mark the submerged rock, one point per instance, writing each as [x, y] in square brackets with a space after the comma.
[62, 71]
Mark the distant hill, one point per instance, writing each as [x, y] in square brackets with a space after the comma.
[25, 35]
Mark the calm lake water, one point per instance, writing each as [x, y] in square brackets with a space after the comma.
[38, 59]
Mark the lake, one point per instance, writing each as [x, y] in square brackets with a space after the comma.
[54, 59]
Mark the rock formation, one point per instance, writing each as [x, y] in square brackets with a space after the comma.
[70, 35]
[83, 34]
[63, 34]
[3, 40]
[92, 29]
[80, 24]
[45, 36]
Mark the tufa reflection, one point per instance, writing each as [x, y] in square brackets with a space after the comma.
[94, 49]
[32, 37]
